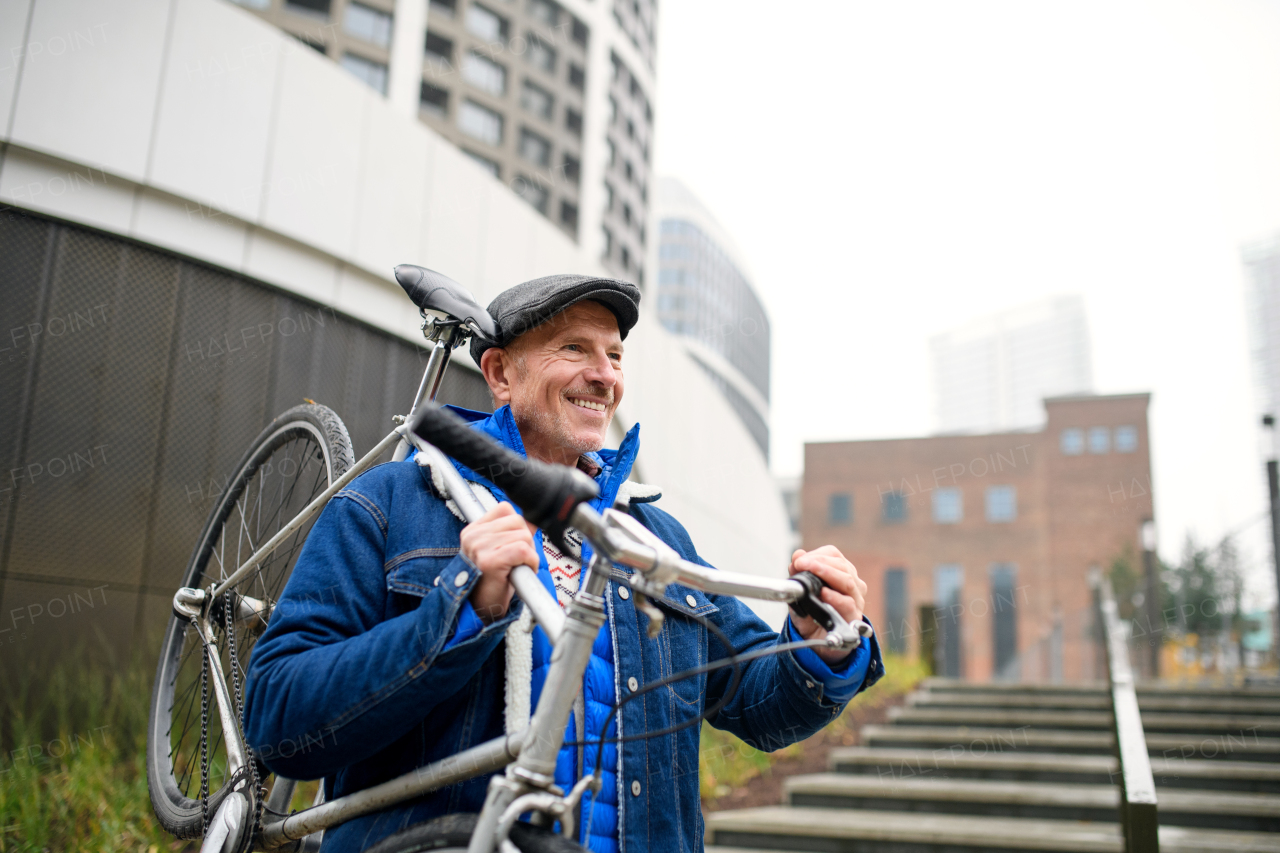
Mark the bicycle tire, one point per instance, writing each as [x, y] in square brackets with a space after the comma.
[295, 458]
[451, 833]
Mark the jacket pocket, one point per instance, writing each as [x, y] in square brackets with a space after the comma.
[685, 642]
[413, 574]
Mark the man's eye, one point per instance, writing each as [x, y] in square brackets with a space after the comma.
[573, 347]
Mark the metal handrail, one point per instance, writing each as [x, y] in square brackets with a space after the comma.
[1138, 817]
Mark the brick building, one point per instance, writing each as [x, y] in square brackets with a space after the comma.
[991, 536]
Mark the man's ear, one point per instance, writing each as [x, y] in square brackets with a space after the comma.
[496, 365]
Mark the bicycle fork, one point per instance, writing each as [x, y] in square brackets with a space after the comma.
[529, 783]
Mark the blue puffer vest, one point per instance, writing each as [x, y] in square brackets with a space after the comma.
[598, 830]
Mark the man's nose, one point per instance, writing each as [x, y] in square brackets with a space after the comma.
[601, 371]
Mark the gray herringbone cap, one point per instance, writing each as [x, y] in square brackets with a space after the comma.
[518, 309]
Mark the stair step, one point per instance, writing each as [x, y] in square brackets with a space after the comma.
[1036, 800]
[986, 741]
[1092, 702]
[1100, 689]
[1242, 776]
[848, 831]
[1095, 720]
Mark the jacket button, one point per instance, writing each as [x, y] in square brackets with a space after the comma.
[460, 579]
[624, 593]
[691, 601]
[633, 686]
[436, 582]
[635, 787]
[809, 684]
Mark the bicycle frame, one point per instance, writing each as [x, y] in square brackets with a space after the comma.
[529, 755]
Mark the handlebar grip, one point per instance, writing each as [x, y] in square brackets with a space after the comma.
[806, 605]
[546, 494]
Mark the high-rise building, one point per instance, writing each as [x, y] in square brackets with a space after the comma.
[992, 373]
[554, 99]
[1262, 261]
[705, 297]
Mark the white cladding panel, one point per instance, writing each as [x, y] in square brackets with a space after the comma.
[13, 32]
[90, 78]
[322, 195]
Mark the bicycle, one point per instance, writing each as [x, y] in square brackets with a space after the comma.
[286, 477]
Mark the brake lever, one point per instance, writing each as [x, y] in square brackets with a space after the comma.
[840, 634]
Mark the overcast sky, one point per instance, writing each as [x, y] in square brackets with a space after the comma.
[895, 169]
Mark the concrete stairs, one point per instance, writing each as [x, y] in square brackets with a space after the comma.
[968, 767]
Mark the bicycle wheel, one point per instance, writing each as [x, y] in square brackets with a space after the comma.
[292, 461]
[451, 833]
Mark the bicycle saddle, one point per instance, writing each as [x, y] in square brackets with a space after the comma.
[431, 291]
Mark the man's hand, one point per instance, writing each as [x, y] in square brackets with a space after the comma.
[845, 591]
[495, 544]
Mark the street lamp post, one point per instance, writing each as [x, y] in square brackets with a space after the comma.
[1151, 598]
[1273, 488]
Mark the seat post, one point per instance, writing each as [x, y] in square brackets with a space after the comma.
[429, 387]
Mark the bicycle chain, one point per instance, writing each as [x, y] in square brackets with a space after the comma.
[259, 785]
[204, 730]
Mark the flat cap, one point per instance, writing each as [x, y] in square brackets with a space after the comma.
[518, 309]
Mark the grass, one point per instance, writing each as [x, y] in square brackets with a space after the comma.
[72, 774]
[726, 763]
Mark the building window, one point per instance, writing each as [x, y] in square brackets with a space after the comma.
[948, 506]
[433, 101]
[372, 73]
[624, 257]
[628, 170]
[895, 611]
[577, 76]
[534, 148]
[608, 241]
[438, 49]
[372, 25]
[580, 32]
[544, 12]
[253, 4]
[308, 7]
[448, 8]
[1072, 442]
[608, 196]
[536, 99]
[572, 169]
[488, 165]
[1126, 439]
[893, 507]
[626, 213]
[631, 129]
[485, 24]
[480, 123]
[613, 109]
[483, 73]
[1002, 503]
[1099, 439]
[532, 193]
[840, 509]
[541, 55]
[1004, 622]
[612, 151]
[569, 214]
[573, 122]
[948, 591]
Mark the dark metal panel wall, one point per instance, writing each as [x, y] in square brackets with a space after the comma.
[131, 381]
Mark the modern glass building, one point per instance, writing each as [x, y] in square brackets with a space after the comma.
[704, 296]
[992, 373]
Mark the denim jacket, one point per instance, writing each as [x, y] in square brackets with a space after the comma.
[362, 674]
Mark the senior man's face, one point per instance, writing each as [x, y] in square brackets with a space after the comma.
[563, 380]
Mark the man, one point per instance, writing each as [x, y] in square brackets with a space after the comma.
[402, 646]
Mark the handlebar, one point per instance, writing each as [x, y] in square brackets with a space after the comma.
[554, 497]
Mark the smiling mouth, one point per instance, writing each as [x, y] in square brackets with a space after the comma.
[588, 404]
